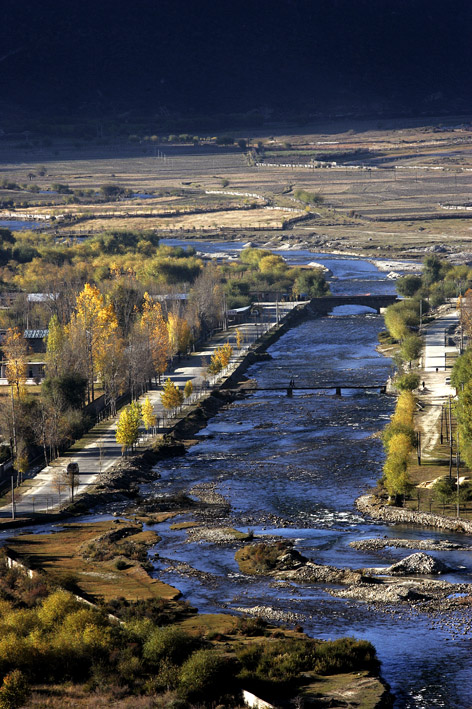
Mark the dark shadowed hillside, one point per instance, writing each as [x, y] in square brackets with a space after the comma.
[194, 56]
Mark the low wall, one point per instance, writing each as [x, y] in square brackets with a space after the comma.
[250, 700]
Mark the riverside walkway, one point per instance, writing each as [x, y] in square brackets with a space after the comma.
[98, 450]
[435, 374]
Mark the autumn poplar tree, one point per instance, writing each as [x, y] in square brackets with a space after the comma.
[180, 334]
[15, 350]
[155, 327]
[171, 395]
[91, 325]
[54, 347]
[127, 430]
[220, 358]
[149, 417]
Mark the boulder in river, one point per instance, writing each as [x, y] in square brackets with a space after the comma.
[418, 563]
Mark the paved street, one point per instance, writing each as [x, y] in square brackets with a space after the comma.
[436, 349]
[437, 389]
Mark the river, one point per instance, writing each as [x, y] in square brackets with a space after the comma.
[293, 467]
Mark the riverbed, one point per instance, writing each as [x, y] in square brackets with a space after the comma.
[292, 468]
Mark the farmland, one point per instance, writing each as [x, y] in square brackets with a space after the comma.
[384, 188]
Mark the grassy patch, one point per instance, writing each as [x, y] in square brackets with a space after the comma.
[260, 558]
[185, 525]
[70, 552]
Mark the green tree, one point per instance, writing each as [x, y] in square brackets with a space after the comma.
[444, 491]
[462, 370]
[407, 382]
[312, 283]
[408, 285]
[411, 347]
[432, 269]
[67, 390]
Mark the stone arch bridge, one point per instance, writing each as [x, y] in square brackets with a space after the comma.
[324, 305]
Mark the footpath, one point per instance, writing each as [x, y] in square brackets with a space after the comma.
[435, 374]
[98, 450]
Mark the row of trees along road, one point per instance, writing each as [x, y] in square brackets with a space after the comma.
[88, 351]
[105, 331]
[438, 282]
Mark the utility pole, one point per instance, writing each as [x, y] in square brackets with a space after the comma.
[12, 498]
[450, 439]
[458, 466]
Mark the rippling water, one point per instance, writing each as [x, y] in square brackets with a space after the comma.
[294, 467]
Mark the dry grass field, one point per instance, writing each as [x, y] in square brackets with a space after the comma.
[65, 554]
[387, 186]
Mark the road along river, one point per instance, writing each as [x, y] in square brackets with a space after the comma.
[292, 468]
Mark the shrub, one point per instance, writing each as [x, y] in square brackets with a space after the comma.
[170, 643]
[205, 675]
[308, 197]
[251, 626]
[345, 655]
[14, 691]
[280, 662]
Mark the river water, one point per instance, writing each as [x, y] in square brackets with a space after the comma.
[293, 467]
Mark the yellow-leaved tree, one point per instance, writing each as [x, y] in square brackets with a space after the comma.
[15, 350]
[220, 358]
[127, 430]
[180, 334]
[149, 417]
[155, 327]
[90, 327]
[171, 395]
[188, 388]
[54, 347]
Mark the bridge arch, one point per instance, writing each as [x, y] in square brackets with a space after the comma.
[324, 305]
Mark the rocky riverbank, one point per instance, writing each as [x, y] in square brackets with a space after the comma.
[371, 506]
[423, 544]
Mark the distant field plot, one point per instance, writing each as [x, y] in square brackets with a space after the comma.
[234, 219]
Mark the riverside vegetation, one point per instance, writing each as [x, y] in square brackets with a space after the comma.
[439, 281]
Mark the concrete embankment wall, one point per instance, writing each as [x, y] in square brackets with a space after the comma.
[367, 505]
[293, 318]
[227, 391]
